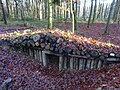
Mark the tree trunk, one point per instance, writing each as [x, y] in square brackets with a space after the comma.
[41, 9]
[67, 12]
[105, 12]
[116, 10]
[73, 17]
[54, 10]
[60, 11]
[50, 14]
[46, 4]
[3, 11]
[101, 13]
[64, 6]
[22, 11]
[33, 9]
[99, 10]
[38, 9]
[88, 25]
[73, 13]
[95, 8]
[76, 7]
[109, 17]
[84, 10]
[79, 9]
[16, 6]
[7, 6]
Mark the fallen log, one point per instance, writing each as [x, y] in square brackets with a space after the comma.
[94, 53]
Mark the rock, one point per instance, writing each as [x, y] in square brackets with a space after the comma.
[5, 84]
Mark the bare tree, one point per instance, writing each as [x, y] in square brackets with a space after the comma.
[116, 11]
[50, 14]
[3, 11]
[7, 6]
[84, 10]
[109, 17]
[95, 8]
[88, 25]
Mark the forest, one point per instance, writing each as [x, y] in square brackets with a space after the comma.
[59, 44]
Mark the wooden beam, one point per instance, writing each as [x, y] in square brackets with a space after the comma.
[81, 64]
[60, 62]
[44, 58]
[40, 56]
[35, 54]
[88, 64]
[65, 62]
[99, 64]
[71, 62]
[76, 63]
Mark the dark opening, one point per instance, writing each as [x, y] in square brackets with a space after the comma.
[53, 59]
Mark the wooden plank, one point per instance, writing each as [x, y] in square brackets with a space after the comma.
[74, 63]
[88, 64]
[27, 51]
[85, 64]
[95, 64]
[78, 56]
[65, 62]
[30, 52]
[60, 62]
[40, 55]
[68, 62]
[44, 58]
[81, 62]
[51, 53]
[71, 62]
[99, 64]
[92, 64]
[37, 48]
[77, 66]
[22, 49]
[112, 59]
[35, 54]
[75, 56]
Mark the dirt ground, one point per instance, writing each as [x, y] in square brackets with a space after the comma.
[29, 74]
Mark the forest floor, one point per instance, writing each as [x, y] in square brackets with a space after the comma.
[29, 74]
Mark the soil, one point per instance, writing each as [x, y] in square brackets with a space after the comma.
[29, 74]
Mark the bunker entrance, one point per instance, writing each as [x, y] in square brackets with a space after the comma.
[53, 59]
